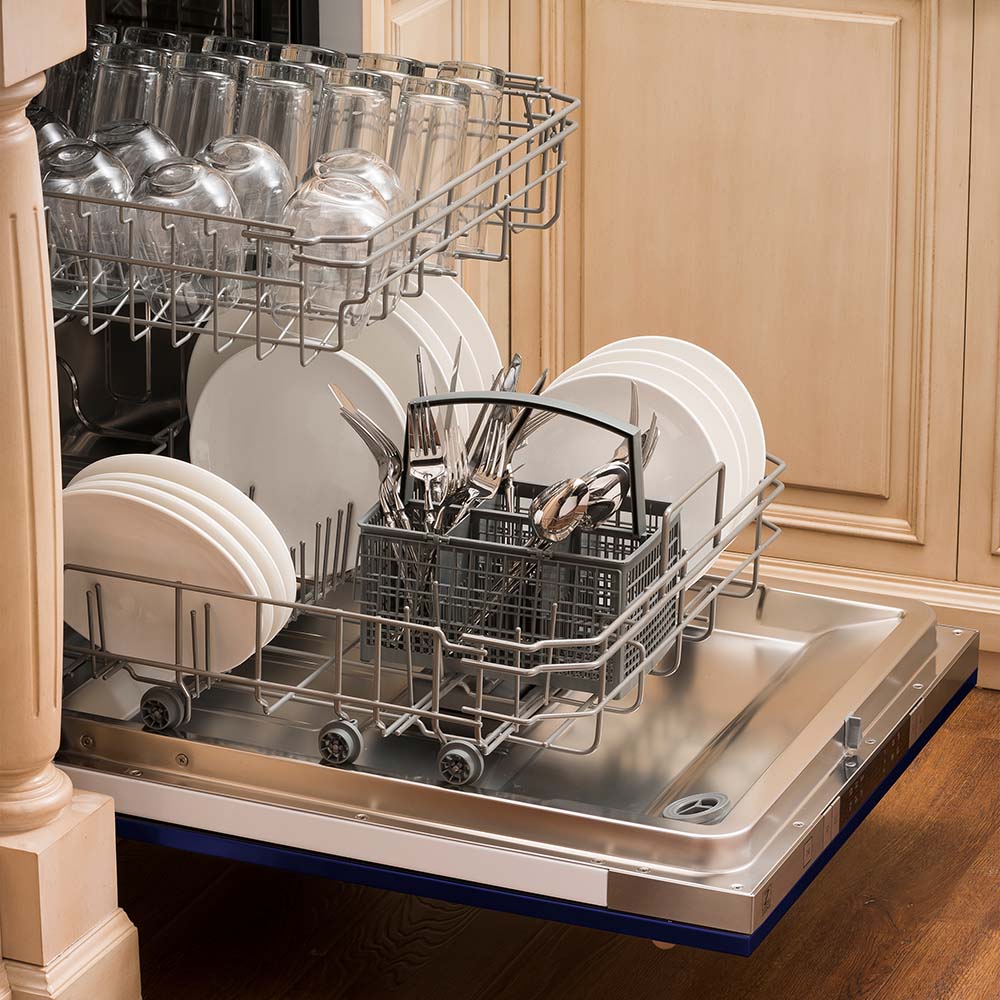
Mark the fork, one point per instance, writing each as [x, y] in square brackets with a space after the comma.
[487, 472]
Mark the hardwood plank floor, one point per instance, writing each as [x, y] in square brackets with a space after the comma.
[909, 910]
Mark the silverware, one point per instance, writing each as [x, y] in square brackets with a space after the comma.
[559, 510]
[487, 471]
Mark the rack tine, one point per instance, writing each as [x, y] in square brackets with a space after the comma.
[326, 553]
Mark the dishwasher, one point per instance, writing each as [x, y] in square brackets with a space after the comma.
[731, 731]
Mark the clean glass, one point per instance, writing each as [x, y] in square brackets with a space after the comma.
[245, 52]
[67, 85]
[49, 128]
[167, 237]
[371, 168]
[398, 69]
[317, 61]
[126, 85]
[427, 147]
[485, 85]
[154, 38]
[324, 206]
[137, 144]
[81, 167]
[277, 108]
[256, 173]
[199, 104]
[353, 112]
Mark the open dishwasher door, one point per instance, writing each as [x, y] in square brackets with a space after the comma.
[697, 820]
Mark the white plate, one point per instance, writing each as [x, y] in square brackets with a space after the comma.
[457, 302]
[726, 379]
[276, 426]
[389, 346]
[445, 327]
[213, 487]
[737, 476]
[565, 447]
[116, 531]
[274, 584]
[195, 515]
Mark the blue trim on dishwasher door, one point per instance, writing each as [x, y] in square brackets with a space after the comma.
[525, 904]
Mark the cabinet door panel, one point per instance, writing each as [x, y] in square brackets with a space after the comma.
[979, 540]
[786, 185]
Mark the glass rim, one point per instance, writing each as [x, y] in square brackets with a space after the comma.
[457, 91]
[231, 45]
[156, 38]
[461, 69]
[313, 55]
[205, 62]
[102, 34]
[280, 72]
[366, 79]
[392, 63]
[131, 55]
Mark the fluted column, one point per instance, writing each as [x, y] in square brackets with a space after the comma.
[62, 934]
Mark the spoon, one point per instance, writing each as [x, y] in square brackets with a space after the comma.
[559, 510]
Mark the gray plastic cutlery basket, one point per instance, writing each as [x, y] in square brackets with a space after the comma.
[481, 581]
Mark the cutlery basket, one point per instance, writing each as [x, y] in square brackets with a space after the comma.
[482, 582]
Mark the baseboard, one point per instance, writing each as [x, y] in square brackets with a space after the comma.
[963, 604]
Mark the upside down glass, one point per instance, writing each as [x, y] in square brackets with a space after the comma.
[49, 128]
[166, 237]
[67, 85]
[336, 207]
[317, 61]
[245, 52]
[199, 104]
[136, 143]
[155, 38]
[79, 228]
[372, 168]
[255, 172]
[427, 149]
[398, 69]
[353, 112]
[126, 85]
[277, 108]
[485, 85]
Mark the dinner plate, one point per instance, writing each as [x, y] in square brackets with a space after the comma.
[684, 386]
[214, 488]
[445, 327]
[388, 345]
[125, 533]
[739, 477]
[459, 305]
[192, 513]
[274, 585]
[686, 451]
[726, 379]
[274, 425]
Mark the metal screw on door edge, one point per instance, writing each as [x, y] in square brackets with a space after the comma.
[871, 742]
[182, 759]
[361, 816]
[736, 885]
[86, 742]
[642, 869]
[798, 824]
[134, 772]
[918, 687]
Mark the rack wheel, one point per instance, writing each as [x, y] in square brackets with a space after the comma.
[340, 742]
[461, 763]
[161, 708]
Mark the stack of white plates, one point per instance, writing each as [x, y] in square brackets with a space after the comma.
[156, 517]
[274, 426]
[705, 415]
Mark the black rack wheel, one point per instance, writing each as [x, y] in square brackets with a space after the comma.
[340, 742]
[461, 763]
[161, 708]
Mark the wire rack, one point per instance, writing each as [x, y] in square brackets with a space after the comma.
[517, 188]
[469, 696]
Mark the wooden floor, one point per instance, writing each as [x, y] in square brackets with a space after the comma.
[909, 910]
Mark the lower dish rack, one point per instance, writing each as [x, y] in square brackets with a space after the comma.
[374, 668]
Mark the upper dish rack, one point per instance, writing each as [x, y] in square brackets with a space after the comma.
[523, 191]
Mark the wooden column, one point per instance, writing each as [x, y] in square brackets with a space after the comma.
[61, 932]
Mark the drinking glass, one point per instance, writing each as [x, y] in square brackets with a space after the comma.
[199, 103]
[427, 147]
[373, 169]
[136, 143]
[81, 167]
[398, 69]
[353, 112]
[245, 52]
[485, 85]
[183, 241]
[335, 205]
[67, 85]
[317, 61]
[277, 108]
[126, 85]
[255, 172]
[49, 128]
[155, 38]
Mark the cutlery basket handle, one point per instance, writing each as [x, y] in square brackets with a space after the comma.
[621, 428]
